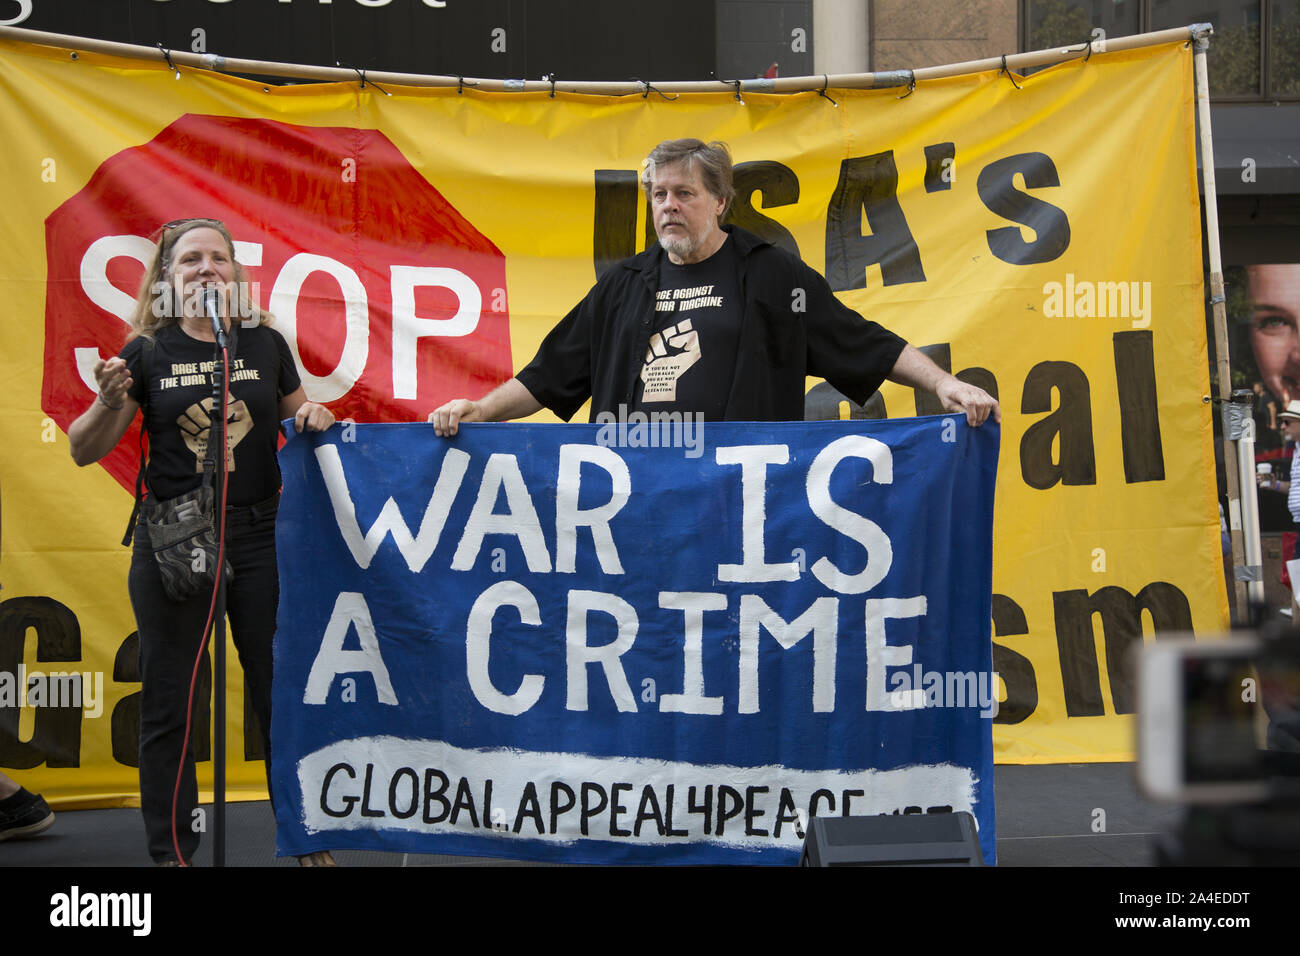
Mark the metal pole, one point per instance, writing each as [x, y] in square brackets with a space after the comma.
[1250, 509]
[793, 84]
[218, 439]
[1240, 565]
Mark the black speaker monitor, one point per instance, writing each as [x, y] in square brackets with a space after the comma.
[931, 839]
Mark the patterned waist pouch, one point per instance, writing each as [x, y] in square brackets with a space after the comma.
[184, 541]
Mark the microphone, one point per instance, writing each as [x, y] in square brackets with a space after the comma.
[212, 306]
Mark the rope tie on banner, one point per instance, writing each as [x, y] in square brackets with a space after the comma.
[736, 84]
[1010, 75]
[911, 85]
[167, 55]
[651, 89]
[361, 75]
[826, 81]
[1087, 45]
[551, 77]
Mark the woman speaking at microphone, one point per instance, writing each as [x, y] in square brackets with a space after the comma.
[164, 370]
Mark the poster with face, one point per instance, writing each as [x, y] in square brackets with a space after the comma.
[1264, 313]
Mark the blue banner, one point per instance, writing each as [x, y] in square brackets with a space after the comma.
[637, 642]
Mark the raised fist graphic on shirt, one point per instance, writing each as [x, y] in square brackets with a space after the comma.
[195, 423]
[670, 354]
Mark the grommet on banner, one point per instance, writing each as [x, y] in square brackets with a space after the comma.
[822, 92]
[167, 55]
[1010, 75]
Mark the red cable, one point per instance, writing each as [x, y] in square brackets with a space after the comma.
[212, 607]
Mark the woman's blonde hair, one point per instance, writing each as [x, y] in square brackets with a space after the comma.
[152, 312]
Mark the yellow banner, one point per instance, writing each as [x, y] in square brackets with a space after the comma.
[1040, 237]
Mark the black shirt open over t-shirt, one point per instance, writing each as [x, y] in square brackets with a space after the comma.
[792, 326]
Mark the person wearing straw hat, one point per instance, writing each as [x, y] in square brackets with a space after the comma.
[1290, 422]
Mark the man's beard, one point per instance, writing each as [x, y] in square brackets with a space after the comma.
[683, 247]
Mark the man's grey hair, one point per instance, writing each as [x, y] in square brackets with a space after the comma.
[711, 160]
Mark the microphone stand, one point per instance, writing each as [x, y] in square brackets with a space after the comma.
[217, 440]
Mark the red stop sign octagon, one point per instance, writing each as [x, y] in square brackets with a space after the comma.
[390, 298]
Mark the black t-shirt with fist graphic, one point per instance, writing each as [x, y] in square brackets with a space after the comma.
[178, 404]
[691, 360]
[791, 326]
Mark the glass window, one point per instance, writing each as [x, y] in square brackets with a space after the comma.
[1234, 49]
[1284, 48]
[1071, 22]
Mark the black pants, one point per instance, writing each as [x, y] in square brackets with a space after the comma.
[170, 635]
